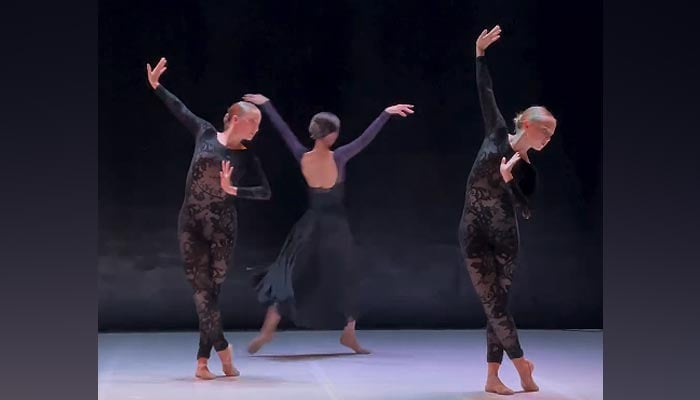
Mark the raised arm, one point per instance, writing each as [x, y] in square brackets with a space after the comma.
[288, 136]
[351, 149]
[493, 120]
[193, 123]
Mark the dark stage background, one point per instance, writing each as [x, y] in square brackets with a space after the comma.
[405, 191]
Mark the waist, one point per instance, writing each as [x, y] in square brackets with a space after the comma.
[326, 206]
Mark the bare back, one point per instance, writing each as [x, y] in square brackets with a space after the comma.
[319, 169]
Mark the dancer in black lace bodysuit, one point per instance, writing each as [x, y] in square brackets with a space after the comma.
[501, 182]
[222, 169]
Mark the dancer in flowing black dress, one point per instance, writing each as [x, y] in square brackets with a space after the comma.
[207, 224]
[313, 281]
[498, 185]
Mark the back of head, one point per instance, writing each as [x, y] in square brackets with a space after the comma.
[239, 109]
[322, 124]
[534, 113]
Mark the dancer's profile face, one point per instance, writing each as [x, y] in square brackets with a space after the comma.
[246, 126]
[539, 132]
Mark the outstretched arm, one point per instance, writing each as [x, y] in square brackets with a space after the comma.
[288, 136]
[493, 120]
[193, 123]
[351, 149]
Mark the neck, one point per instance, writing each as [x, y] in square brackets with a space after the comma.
[519, 145]
[227, 139]
[320, 146]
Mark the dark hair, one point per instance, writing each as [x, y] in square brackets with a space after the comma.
[239, 108]
[323, 124]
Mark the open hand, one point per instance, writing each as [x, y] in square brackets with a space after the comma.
[155, 73]
[225, 177]
[256, 99]
[400, 109]
[507, 167]
[486, 39]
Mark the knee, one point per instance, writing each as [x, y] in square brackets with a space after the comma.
[204, 297]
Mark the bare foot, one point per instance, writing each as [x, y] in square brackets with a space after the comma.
[527, 382]
[495, 385]
[259, 341]
[226, 357]
[203, 372]
[350, 340]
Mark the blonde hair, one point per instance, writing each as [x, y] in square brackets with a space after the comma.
[534, 113]
[239, 108]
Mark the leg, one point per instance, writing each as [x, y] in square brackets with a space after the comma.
[483, 275]
[478, 256]
[340, 248]
[349, 339]
[505, 261]
[272, 318]
[195, 252]
[494, 352]
[221, 250]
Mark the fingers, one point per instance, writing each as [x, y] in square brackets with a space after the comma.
[490, 36]
[255, 98]
[148, 68]
[509, 165]
[405, 109]
[161, 63]
[226, 168]
[495, 33]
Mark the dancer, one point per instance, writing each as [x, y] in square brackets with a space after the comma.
[499, 182]
[207, 224]
[313, 282]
